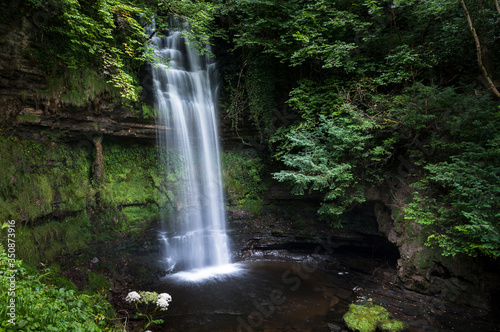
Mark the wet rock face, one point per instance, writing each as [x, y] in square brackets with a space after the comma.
[112, 120]
[18, 71]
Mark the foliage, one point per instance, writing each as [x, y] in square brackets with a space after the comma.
[43, 307]
[330, 150]
[109, 36]
[458, 196]
[367, 317]
[98, 284]
[378, 90]
[447, 139]
[260, 85]
[76, 86]
[242, 176]
[148, 111]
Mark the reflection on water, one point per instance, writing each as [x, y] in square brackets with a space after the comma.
[252, 297]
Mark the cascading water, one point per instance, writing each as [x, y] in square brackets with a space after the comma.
[184, 92]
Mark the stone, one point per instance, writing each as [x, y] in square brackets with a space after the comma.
[334, 328]
[334, 301]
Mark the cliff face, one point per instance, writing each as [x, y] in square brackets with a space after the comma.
[18, 75]
[25, 110]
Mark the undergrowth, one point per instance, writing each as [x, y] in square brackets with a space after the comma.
[35, 304]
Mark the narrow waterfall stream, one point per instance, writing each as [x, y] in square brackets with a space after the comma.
[194, 237]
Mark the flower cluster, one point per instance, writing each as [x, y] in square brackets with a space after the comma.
[133, 297]
[142, 301]
[163, 301]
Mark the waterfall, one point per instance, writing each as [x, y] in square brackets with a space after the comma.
[194, 236]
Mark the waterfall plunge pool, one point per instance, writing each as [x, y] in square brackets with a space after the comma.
[252, 296]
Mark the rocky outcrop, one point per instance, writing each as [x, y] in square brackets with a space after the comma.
[458, 280]
[113, 120]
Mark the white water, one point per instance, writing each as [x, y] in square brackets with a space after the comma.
[195, 237]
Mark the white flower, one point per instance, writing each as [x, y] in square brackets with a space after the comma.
[132, 297]
[162, 303]
[165, 296]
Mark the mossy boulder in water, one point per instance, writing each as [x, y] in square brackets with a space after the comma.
[367, 317]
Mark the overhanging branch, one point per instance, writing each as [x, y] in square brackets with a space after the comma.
[482, 68]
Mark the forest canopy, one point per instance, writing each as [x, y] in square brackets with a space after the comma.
[401, 94]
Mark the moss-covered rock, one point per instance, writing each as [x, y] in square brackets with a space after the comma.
[48, 188]
[367, 317]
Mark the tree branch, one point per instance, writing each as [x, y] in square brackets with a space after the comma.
[498, 6]
[482, 68]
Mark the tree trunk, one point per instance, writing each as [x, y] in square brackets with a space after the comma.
[498, 6]
[482, 68]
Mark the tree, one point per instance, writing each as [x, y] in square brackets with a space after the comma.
[369, 81]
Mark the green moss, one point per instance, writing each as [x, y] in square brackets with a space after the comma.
[27, 118]
[54, 238]
[139, 216]
[65, 283]
[367, 317]
[129, 174]
[98, 283]
[47, 188]
[38, 179]
[393, 325]
[242, 180]
[76, 86]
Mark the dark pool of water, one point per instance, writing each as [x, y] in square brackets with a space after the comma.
[259, 296]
